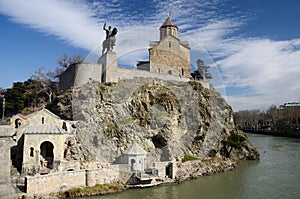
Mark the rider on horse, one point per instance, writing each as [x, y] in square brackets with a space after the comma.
[110, 40]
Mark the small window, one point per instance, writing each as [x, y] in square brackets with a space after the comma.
[31, 152]
[64, 126]
[182, 72]
[43, 120]
[158, 70]
[170, 72]
[169, 44]
[17, 123]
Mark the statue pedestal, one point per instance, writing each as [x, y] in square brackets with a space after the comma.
[109, 63]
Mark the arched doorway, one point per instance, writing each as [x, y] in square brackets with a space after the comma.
[47, 155]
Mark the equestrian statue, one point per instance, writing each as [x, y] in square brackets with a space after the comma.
[110, 40]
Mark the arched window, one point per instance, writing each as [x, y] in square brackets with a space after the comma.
[64, 126]
[31, 152]
[17, 123]
[43, 120]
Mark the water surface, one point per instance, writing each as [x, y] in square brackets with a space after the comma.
[276, 175]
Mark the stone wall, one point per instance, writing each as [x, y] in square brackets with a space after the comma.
[86, 72]
[125, 73]
[34, 141]
[78, 74]
[62, 181]
[6, 189]
[110, 68]
[67, 78]
[170, 56]
[55, 182]
[107, 69]
[106, 176]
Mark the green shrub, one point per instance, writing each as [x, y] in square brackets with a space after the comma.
[189, 158]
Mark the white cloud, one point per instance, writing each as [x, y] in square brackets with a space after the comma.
[71, 21]
[268, 68]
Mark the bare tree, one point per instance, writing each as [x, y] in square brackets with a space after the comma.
[66, 61]
[47, 80]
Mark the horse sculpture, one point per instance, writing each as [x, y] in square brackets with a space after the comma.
[109, 43]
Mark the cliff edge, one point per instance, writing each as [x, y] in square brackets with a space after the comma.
[169, 119]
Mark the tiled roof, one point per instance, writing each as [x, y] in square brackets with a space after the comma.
[168, 23]
[135, 149]
[44, 130]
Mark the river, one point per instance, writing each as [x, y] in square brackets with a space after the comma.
[276, 175]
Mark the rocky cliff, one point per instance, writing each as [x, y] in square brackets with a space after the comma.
[169, 119]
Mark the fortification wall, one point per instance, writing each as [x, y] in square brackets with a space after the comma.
[86, 72]
[125, 73]
[66, 79]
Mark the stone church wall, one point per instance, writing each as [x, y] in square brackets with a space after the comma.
[170, 56]
[34, 141]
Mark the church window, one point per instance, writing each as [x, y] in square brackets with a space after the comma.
[64, 126]
[17, 123]
[31, 152]
[43, 120]
[169, 44]
[170, 72]
[158, 70]
[182, 72]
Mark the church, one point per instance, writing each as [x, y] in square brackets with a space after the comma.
[169, 55]
[169, 59]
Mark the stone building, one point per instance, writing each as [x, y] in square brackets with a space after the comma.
[135, 157]
[42, 140]
[168, 57]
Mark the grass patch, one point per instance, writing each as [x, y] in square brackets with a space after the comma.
[99, 189]
[188, 158]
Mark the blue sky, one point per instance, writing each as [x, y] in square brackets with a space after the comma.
[252, 46]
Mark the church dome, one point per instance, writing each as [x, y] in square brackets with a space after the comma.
[168, 23]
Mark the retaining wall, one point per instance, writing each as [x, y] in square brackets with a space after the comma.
[58, 182]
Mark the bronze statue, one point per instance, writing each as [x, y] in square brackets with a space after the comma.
[110, 41]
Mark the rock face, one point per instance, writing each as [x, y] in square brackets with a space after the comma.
[169, 119]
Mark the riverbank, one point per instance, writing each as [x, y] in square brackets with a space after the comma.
[276, 175]
[273, 133]
[100, 189]
[186, 171]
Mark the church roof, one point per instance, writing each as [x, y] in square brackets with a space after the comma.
[44, 130]
[135, 149]
[168, 23]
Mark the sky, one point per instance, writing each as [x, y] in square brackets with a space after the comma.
[251, 46]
